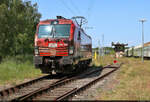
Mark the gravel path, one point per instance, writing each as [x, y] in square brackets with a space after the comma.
[93, 93]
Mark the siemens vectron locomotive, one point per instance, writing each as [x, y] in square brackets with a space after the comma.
[61, 45]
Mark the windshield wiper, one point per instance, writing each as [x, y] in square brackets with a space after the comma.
[53, 31]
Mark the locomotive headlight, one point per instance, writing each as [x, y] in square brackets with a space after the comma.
[71, 50]
[36, 50]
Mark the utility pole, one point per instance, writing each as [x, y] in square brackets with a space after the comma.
[102, 44]
[142, 21]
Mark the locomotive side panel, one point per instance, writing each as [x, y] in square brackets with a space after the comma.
[76, 45]
[83, 46]
[86, 46]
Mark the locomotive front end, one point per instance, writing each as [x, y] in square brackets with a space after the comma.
[54, 45]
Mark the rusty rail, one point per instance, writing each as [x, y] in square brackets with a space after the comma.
[43, 90]
[16, 88]
[78, 90]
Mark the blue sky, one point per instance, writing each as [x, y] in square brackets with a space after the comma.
[118, 20]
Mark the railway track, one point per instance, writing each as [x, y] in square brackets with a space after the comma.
[32, 85]
[60, 89]
[25, 88]
[87, 83]
[78, 90]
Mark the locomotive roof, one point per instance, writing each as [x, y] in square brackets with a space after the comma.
[49, 20]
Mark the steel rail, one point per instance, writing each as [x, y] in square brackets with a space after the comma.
[112, 66]
[14, 89]
[45, 89]
[78, 90]
[24, 96]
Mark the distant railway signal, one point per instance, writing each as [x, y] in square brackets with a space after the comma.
[115, 61]
[119, 48]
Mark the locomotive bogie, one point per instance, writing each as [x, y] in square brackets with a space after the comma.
[63, 64]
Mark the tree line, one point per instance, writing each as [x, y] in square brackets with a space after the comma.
[18, 20]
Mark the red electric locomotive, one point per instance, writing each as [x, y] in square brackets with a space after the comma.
[61, 45]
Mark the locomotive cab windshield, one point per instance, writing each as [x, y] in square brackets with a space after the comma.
[57, 30]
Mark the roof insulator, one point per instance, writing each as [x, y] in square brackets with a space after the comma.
[60, 17]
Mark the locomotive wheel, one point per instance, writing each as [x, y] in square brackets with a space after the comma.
[37, 66]
[45, 69]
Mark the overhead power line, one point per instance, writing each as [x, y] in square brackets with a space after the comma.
[89, 9]
[68, 8]
[75, 7]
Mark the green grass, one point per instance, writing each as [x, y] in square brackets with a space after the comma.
[133, 81]
[103, 60]
[14, 69]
